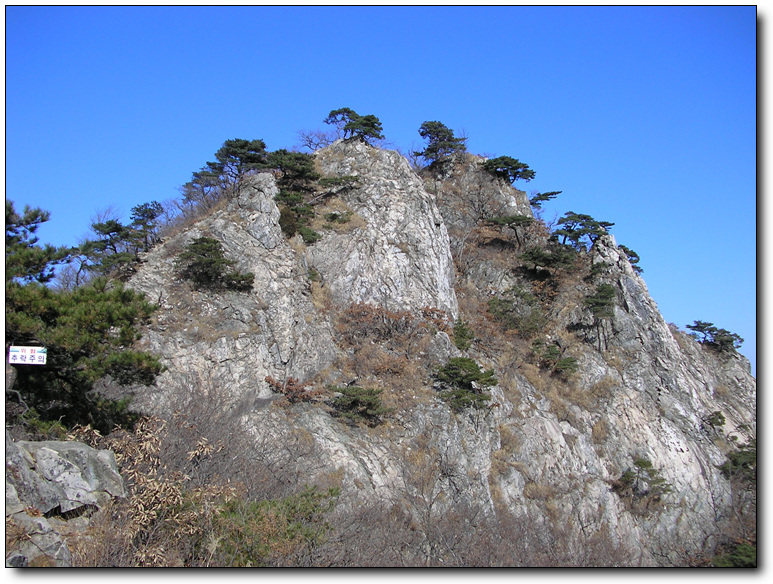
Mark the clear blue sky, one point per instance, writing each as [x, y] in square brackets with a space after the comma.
[643, 116]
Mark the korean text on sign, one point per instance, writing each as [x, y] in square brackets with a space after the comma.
[27, 355]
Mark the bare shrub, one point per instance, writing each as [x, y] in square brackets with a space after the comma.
[362, 322]
[540, 492]
[295, 391]
[321, 298]
[591, 399]
[600, 431]
[185, 473]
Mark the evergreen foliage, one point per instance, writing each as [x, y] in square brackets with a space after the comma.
[250, 533]
[115, 251]
[360, 405]
[110, 254]
[145, 222]
[288, 221]
[742, 555]
[556, 257]
[518, 311]
[296, 169]
[204, 264]
[297, 180]
[509, 169]
[464, 380]
[339, 218]
[601, 303]
[309, 236]
[442, 145]
[549, 358]
[354, 126]
[203, 190]
[463, 336]
[602, 306]
[642, 486]
[539, 198]
[25, 260]
[88, 332]
[235, 159]
[741, 463]
[717, 339]
[343, 182]
[633, 258]
[566, 367]
[579, 228]
[514, 222]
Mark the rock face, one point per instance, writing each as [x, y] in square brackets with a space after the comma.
[653, 388]
[466, 195]
[400, 259]
[548, 452]
[234, 340]
[49, 478]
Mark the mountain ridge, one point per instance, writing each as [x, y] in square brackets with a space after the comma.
[594, 442]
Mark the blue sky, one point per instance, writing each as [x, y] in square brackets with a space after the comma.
[643, 116]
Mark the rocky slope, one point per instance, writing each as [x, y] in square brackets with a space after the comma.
[549, 449]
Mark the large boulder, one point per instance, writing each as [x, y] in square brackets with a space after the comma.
[53, 478]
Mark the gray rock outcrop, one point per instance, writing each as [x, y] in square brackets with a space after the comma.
[400, 258]
[53, 478]
[232, 341]
[548, 452]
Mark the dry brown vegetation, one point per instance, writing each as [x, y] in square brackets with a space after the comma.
[193, 502]
[386, 349]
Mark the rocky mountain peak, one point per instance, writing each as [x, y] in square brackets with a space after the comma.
[400, 257]
[447, 372]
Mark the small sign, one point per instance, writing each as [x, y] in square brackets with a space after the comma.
[27, 355]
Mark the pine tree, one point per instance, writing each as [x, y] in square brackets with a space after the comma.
[354, 126]
[509, 169]
[204, 264]
[89, 332]
[360, 404]
[463, 380]
[442, 145]
[25, 261]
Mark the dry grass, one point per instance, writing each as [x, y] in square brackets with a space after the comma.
[321, 298]
[339, 206]
[187, 219]
[539, 380]
[181, 477]
[616, 358]
[509, 441]
[538, 491]
[600, 432]
[591, 399]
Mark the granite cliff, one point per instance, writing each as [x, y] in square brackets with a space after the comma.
[606, 459]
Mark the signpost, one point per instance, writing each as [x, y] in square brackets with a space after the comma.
[27, 355]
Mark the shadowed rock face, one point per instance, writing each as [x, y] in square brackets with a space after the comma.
[643, 397]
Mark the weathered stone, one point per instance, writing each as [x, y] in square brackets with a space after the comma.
[400, 259]
[547, 456]
[233, 340]
[53, 477]
[41, 546]
[59, 475]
